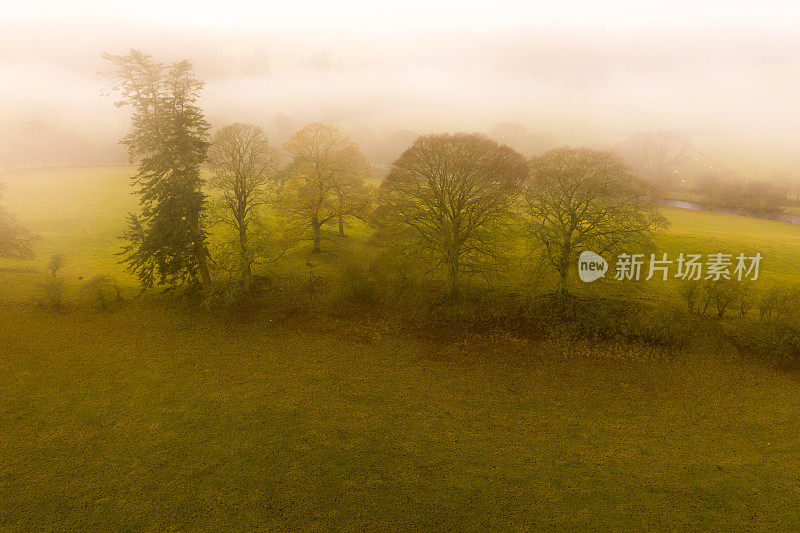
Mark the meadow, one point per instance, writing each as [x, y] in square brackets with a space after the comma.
[153, 417]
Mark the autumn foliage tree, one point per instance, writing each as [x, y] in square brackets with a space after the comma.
[167, 239]
[325, 181]
[353, 199]
[447, 199]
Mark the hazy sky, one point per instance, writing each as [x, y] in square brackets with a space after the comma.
[464, 14]
[726, 73]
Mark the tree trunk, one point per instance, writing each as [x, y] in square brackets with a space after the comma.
[341, 225]
[244, 257]
[316, 227]
[563, 281]
[452, 275]
[205, 276]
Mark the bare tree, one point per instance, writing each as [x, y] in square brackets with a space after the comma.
[515, 135]
[323, 162]
[710, 184]
[242, 165]
[655, 155]
[580, 199]
[446, 200]
[281, 128]
[787, 183]
[55, 264]
[15, 241]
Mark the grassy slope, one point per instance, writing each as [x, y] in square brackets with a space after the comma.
[147, 417]
[696, 231]
[78, 212]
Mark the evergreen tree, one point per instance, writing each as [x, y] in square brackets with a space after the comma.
[167, 239]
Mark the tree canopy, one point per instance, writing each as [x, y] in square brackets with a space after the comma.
[325, 174]
[446, 200]
[581, 199]
[243, 166]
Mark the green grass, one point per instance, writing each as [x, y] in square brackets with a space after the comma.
[152, 418]
[77, 212]
[147, 418]
[701, 232]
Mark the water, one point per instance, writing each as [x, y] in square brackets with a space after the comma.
[775, 217]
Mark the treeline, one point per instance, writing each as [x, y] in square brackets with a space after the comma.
[451, 204]
[756, 197]
[455, 235]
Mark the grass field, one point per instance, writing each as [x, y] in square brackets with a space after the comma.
[150, 417]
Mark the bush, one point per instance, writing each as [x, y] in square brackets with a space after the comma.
[625, 321]
[778, 303]
[101, 292]
[54, 290]
[692, 293]
[658, 327]
[53, 294]
[722, 293]
[55, 265]
[776, 341]
[354, 286]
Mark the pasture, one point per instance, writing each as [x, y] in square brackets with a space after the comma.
[153, 417]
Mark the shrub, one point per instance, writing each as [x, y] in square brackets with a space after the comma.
[101, 292]
[722, 293]
[692, 294]
[778, 303]
[776, 341]
[746, 298]
[53, 291]
[659, 327]
[55, 264]
[354, 286]
[53, 294]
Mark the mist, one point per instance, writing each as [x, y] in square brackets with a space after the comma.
[732, 89]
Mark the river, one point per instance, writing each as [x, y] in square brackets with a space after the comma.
[775, 217]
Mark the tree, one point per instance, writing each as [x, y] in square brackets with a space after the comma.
[710, 184]
[515, 135]
[167, 239]
[788, 184]
[353, 200]
[15, 241]
[242, 166]
[393, 145]
[446, 200]
[655, 155]
[580, 199]
[281, 128]
[55, 264]
[325, 165]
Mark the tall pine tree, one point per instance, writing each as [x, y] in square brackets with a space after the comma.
[167, 239]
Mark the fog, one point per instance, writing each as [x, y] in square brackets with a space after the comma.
[731, 84]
